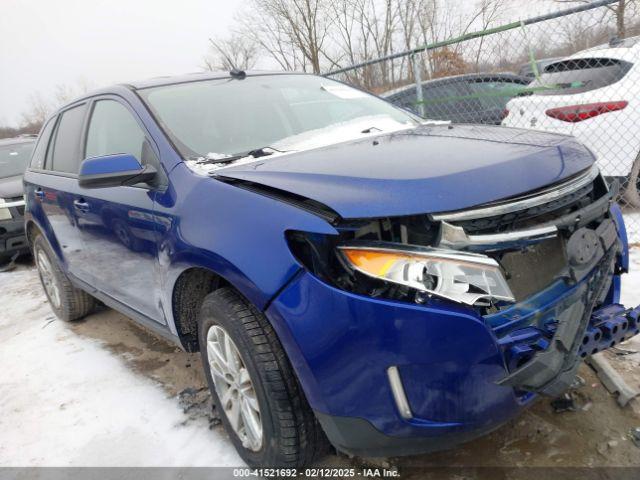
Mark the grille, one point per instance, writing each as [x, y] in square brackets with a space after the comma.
[530, 269]
[533, 216]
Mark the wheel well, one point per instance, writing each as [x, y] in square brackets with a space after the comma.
[32, 230]
[188, 294]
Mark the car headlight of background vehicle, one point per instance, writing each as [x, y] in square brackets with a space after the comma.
[457, 276]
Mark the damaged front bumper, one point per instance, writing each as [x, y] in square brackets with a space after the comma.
[552, 370]
[544, 356]
[387, 377]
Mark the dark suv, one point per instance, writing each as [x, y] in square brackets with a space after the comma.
[14, 157]
[347, 272]
[472, 98]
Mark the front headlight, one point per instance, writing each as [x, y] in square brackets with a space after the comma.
[458, 276]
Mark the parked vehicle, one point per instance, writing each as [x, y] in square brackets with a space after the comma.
[473, 98]
[526, 70]
[592, 96]
[346, 272]
[14, 156]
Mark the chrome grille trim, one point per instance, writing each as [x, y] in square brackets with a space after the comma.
[522, 203]
[452, 236]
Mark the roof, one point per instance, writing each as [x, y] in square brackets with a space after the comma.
[625, 49]
[166, 80]
[466, 76]
[616, 43]
[198, 76]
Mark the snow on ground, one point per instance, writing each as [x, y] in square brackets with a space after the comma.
[66, 401]
[632, 222]
[631, 281]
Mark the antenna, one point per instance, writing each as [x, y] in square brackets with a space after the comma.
[237, 73]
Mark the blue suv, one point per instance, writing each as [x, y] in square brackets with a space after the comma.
[350, 274]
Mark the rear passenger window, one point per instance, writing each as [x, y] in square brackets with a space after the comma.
[64, 151]
[114, 130]
[37, 160]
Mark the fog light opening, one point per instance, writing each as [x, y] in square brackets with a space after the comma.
[397, 390]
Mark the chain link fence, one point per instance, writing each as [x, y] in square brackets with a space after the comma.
[573, 71]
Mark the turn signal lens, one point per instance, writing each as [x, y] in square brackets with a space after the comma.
[458, 276]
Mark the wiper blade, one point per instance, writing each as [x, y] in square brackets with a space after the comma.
[256, 153]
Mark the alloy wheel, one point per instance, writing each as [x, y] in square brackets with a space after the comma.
[234, 387]
[49, 280]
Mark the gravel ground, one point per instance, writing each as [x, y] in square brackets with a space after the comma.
[106, 392]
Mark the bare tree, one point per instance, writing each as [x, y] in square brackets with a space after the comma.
[620, 11]
[37, 111]
[39, 107]
[292, 32]
[489, 12]
[236, 51]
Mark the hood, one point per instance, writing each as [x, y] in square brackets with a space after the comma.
[423, 170]
[11, 187]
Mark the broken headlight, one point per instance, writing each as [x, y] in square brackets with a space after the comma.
[461, 277]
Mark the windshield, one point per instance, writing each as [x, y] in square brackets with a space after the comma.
[14, 159]
[230, 117]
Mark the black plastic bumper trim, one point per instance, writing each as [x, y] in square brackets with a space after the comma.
[357, 436]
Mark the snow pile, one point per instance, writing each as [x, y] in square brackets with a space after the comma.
[632, 222]
[65, 401]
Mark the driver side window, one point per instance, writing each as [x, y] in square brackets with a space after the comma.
[113, 130]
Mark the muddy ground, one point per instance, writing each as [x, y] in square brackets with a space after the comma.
[595, 435]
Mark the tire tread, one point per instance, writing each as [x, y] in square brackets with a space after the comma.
[302, 440]
[74, 302]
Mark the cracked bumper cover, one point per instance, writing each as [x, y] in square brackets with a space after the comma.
[457, 380]
[553, 370]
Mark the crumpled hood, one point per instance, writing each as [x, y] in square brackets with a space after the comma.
[11, 187]
[423, 170]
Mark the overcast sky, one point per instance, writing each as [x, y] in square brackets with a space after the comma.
[44, 43]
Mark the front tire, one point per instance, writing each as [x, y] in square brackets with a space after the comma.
[270, 423]
[631, 194]
[67, 302]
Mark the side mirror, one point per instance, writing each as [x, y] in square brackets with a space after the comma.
[114, 171]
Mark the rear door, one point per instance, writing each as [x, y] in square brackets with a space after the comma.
[52, 185]
[117, 223]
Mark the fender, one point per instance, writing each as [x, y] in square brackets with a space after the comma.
[217, 237]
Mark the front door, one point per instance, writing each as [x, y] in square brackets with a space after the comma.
[117, 225]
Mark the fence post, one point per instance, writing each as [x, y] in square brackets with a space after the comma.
[417, 75]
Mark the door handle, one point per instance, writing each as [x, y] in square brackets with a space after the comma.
[81, 205]
[39, 193]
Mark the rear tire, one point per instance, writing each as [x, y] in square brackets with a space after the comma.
[290, 435]
[631, 194]
[67, 302]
